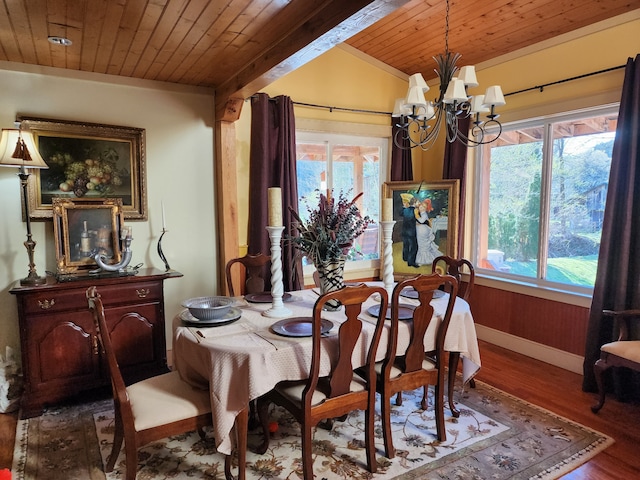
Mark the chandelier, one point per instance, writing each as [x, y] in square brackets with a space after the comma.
[421, 120]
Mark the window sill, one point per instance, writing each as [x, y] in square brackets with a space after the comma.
[535, 290]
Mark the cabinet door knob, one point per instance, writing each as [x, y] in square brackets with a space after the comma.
[46, 304]
[142, 292]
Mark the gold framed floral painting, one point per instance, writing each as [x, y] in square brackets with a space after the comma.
[426, 216]
[87, 160]
[84, 227]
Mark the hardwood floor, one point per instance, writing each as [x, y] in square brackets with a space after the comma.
[537, 382]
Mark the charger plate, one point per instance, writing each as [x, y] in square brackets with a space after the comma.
[265, 297]
[411, 293]
[405, 311]
[232, 315]
[299, 327]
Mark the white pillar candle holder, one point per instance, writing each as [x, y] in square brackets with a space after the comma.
[387, 256]
[277, 310]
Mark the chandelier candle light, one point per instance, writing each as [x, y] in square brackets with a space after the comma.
[275, 229]
[18, 149]
[421, 120]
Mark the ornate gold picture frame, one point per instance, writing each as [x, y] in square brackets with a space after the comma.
[426, 215]
[87, 160]
[83, 227]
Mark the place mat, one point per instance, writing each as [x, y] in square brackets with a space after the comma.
[265, 297]
[299, 327]
[232, 315]
[411, 293]
[405, 311]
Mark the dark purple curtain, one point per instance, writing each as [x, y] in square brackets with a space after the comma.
[454, 167]
[617, 283]
[273, 164]
[401, 164]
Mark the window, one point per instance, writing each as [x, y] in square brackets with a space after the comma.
[344, 163]
[542, 190]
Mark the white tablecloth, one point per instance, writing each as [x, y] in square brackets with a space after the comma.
[244, 360]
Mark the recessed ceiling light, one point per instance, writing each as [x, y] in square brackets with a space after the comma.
[65, 42]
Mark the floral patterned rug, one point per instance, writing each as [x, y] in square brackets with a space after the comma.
[497, 436]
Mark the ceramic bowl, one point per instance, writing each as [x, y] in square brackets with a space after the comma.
[208, 308]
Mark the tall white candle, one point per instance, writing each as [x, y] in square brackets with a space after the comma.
[164, 221]
[387, 209]
[274, 205]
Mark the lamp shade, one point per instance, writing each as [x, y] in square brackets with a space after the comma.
[468, 75]
[417, 80]
[400, 109]
[427, 112]
[493, 96]
[455, 91]
[415, 97]
[478, 105]
[18, 149]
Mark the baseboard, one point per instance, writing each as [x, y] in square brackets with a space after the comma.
[559, 358]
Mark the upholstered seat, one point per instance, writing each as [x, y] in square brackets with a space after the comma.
[622, 353]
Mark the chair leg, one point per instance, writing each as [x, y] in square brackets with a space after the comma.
[262, 406]
[385, 412]
[399, 399]
[131, 459]
[439, 413]
[370, 441]
[118, 437]
[424, 403]
[307, 450]
[453, 368]
[599, 369]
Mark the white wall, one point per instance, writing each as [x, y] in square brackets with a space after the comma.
[180, 172]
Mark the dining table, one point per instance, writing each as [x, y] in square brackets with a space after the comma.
[243, 359]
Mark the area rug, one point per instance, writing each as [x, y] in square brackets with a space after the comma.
[497, 436]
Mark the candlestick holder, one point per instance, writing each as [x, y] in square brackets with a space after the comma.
[162, 257]
[387, 256]
[277, 310]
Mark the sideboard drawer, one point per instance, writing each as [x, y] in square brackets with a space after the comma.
[53, 301]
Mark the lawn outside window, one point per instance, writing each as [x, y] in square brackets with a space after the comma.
[541, 191]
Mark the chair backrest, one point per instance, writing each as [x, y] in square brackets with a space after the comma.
[254, 271]
[455, 267]
[423, 315]
[352, 299]
[625, 321]
[118, 386]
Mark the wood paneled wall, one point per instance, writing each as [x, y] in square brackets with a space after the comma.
[548, 322]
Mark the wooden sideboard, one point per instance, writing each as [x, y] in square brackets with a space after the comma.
[60, 353]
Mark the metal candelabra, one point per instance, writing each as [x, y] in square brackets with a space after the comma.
[162, 257]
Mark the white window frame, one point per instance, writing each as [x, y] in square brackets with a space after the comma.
[538, 287]
[320, 131]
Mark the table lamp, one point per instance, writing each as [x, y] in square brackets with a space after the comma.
[18, 149]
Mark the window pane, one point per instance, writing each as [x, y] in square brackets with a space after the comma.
[580, 175]
[514, 183]
[357, 169]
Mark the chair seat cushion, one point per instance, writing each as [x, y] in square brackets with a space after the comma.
[293, 390]
[629, 349]
[166, 399]
[427, 364]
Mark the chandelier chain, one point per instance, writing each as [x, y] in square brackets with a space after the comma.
[446, 30]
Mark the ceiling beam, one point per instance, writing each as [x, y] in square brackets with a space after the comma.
[331, 23]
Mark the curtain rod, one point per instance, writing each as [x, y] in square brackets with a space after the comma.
[537, 87]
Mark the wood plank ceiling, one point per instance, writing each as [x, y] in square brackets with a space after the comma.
[239, 46]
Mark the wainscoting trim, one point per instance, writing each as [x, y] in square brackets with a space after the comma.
[559, 358]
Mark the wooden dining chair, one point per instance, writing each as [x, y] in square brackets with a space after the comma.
[339, 392]
[456, 267]
[411, 369]
[624, 352]
[149, 410]
[254, 267]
